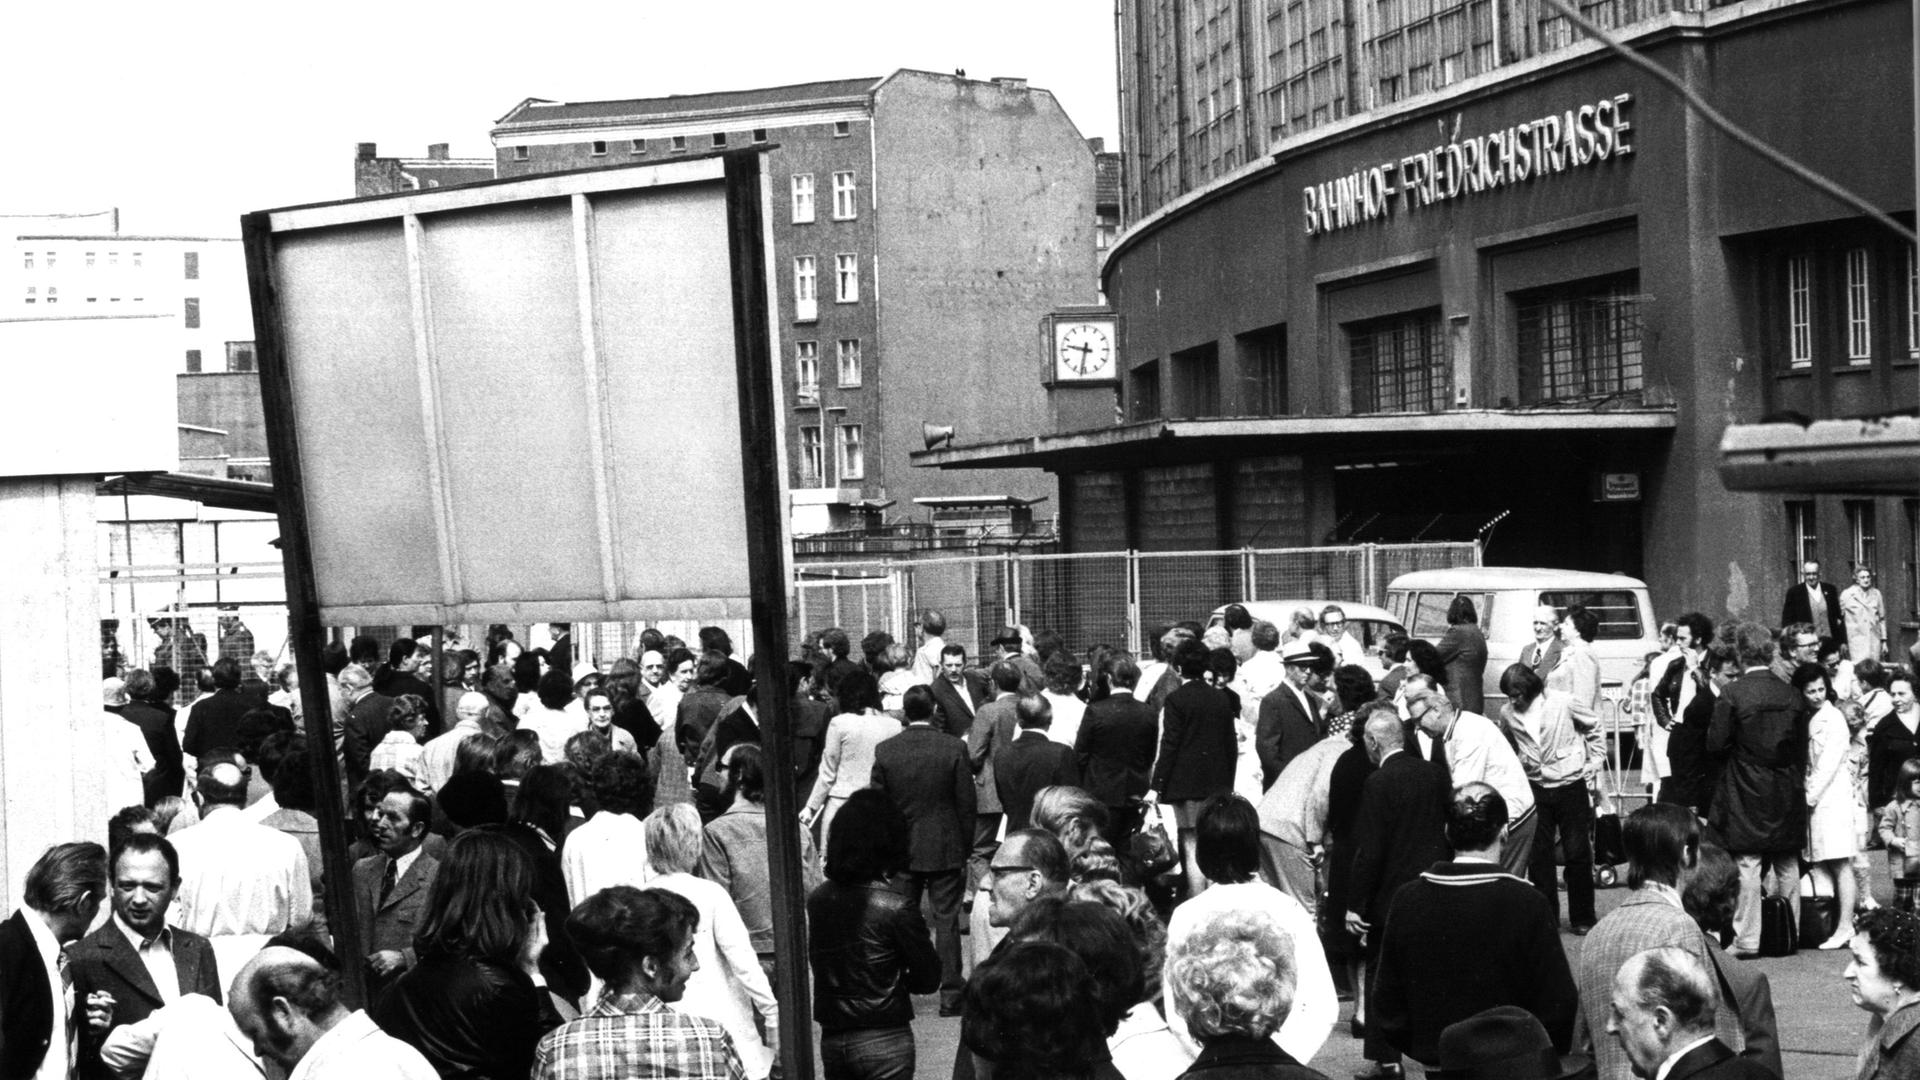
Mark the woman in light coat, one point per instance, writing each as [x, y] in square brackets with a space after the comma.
[1864, 612]
[846, 761]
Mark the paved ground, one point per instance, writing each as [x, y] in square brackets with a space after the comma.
[1820, 1029]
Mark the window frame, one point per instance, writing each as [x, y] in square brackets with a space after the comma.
[811, 460]
[843, 349]
[851, 191]
[1803, 533]
[806, 288]
[1859, 309]
[636, 146]
[597, 148]
[842, 129]
[846, 277]
[849, 452]
[190, 317]
[802, 206]
[806, 358]
[1799, 309]
[522, 153]
[1863, 544]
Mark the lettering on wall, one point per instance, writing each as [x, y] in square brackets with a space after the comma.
[1554, 143]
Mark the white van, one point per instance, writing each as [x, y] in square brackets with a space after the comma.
[1505, 598]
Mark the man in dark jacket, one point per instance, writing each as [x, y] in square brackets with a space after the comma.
[60, 898]
[926, 773]
[1465, 936]
[1198, 748]
[365, 725]
[958, 691]
[1290, 719]
[993, 728]
[1682, 702]
[1115, 748]
[401, 675]
[1398, 832]
[113, 959]
[1814, 601]
[215, 721]
[1759, 731]
[169, 775]
[1030, 762]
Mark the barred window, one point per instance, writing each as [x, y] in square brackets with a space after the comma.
[1859, 308]
[1400, 364]
[1802, 533]
[1913, 300]
[1579, 340]
[1800, 311]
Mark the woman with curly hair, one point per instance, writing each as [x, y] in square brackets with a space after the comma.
[1080, 822]
[1231, 981]
[1143, 1047]
[1885, 980]
[473, 1004]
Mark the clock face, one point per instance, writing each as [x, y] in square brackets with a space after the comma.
[1083, 349]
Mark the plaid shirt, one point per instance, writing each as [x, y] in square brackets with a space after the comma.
[636, 1037]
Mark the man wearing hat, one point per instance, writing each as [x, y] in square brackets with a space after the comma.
[1504, 1043]
[1011, 641]
[1290, 716]
[1543, 652]
[1664, 1001]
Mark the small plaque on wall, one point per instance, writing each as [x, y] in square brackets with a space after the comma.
[1619, 487]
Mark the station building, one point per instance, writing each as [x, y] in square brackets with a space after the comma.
[1447, 270]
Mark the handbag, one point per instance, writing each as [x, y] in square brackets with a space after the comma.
[1152, 847]
[1778, 934]
[1819, 915]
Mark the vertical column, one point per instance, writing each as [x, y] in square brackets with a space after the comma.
[50, 779]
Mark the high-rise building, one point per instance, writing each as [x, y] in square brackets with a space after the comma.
[922, 226]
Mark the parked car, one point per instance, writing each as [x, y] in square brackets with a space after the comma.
[1366, 624]
[1505, 598]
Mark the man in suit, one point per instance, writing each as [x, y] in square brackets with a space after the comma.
[136, 959]
[993, 726]
[1759, 806]
[958, 691]
[1663, 845]
[1664, 1000]
[1814, 601]
[401, 675]
[1031, 761]
[39, 1015]
[366, 722]
[214, 722]
[1466, 936]
[390, 889]
[926, 773]
[1399, 832]
[1682, 702]
[1543, 652]
[1118, 736]
[1013, 650]
[1290, 719]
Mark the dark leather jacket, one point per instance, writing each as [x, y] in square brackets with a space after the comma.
[870, 950]
[470, 1018]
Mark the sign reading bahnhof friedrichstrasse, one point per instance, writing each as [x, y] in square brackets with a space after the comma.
[1578, 137]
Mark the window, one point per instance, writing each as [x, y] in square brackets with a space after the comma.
[806, 372]
[29, 265]
[847, 350]
[802, 198]
[812, 461]
[843, 196]
[1800, 311]
[637, 146]
[192, 264]
[1619, 612]
[846, 277]
[679, 144]
[1860, 533]
[33, 294]
[521, 153]
[1579, 340]
[90, 258]
[1263, 363]
[50, 260]
[1913, 299]
[138, 260]
[759, 134]
[1802, 534]
[193, 313]
[240, 356]
[1196, 381]
[842, 129]
[848, 458]
[598, 148]
[1399, 364]
[719, 139]
[805, 299]
[1143, 392]
[1859, 285]
[53, 294]
[193, 361]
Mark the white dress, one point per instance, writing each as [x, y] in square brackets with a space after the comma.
[1831, 828]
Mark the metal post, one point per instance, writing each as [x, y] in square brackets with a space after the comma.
[766, 570]
[1133, 603]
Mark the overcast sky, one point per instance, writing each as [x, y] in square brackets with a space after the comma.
[187, 115]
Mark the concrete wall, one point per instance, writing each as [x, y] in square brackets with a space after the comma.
[229, 401]
[986, 224]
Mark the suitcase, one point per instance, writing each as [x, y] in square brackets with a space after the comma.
[1778, 934]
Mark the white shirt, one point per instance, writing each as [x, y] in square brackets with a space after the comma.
[1316, 1004]
[555, 727]
[1150, 673]
[157, 955]
[1476, 751]
[1144, 1048]
[435, 767]
[355, 1049]
[1667, 1065]
[193, 1038]
[128, 758]
[1261, 675]
[610, 849]
[926, 660]
[55, 1065]
[729, 986]
[262, 808]
[664, 704]
[241, 882]
[1068, 711]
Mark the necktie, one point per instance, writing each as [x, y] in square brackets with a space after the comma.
[67, 1003]
[388, 880]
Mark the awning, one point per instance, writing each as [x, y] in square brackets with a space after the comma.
[207, 490]
[1876, 456]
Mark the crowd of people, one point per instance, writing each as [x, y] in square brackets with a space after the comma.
[1144, 870]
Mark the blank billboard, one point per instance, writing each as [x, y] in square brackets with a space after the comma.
[515, 401]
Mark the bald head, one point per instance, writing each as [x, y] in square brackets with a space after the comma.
[1383, 732]
[354, 678]
[284, 1001]
[471, 706]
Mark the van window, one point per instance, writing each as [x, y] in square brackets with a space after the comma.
[1619, 611]
[1428, 619]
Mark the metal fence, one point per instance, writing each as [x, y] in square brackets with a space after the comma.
[1116, 598]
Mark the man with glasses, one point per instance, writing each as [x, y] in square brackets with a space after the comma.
[1028, 865]
[1799, 644]
[1814, 601]
[1333, 627]
[1477, 753]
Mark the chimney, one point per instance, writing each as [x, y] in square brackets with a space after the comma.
[437, 151]
[1009, 83]
[1097, 144]
[368, 151]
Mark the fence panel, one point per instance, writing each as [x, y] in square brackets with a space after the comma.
[857, 605]
[1328, 573]
[1177, 587]
[971, 594]
[1083, 598]
[1392, 560]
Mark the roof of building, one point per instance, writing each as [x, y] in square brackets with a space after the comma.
[541, 111]
[129, 238]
